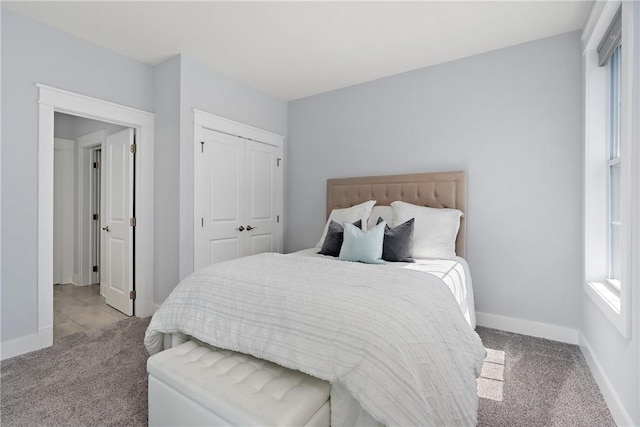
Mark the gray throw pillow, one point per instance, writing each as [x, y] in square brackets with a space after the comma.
[335, 236]
[398, 242]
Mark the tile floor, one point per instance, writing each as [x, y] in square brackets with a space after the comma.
[80, 308]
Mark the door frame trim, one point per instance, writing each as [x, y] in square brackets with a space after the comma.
[87, 144]
[50, 101]
[222, 124]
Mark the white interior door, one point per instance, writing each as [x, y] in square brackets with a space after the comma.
[219, 205]
[263, 172]
[116, 256]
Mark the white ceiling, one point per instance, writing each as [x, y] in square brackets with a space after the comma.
[297, 49]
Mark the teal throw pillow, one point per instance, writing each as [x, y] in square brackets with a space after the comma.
[363, 246]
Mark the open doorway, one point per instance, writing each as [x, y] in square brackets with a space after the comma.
[84, 213]
[50, 101]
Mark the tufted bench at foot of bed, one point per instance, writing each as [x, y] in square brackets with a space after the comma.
[197, 385]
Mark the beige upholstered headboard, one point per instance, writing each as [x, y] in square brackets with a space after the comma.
[435, 190]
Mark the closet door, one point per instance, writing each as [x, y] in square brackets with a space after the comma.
[218, 198]
[238, 190]
[263, 188]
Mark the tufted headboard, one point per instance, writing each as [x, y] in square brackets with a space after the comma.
[435, 190]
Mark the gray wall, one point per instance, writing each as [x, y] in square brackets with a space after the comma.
[38, 53]
[207, 90]
[167, 178]
[511, 119]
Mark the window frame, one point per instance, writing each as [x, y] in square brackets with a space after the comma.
[611, 296]
[614, 160]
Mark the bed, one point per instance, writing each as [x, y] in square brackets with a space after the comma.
[395, 341]
[453, 273]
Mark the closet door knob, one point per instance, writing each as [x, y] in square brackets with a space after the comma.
[106, 228]
[249, 228]
[241, 228]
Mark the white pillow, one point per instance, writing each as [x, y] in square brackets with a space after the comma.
[386, 212]
[352, 214]
[435, 230]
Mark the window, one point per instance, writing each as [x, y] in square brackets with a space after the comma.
[614, 118]
[607, 58]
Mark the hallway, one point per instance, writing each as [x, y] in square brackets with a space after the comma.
[80, 308]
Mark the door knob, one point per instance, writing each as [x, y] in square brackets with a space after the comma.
[106, 228]
[241, 228]
[249, 228]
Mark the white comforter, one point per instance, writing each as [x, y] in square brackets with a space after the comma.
[398, 344]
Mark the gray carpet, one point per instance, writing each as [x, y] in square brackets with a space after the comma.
[90, 378]
[546, 383]
[99, 378]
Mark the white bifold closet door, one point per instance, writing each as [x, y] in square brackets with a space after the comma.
[262, 190]
[238, 198]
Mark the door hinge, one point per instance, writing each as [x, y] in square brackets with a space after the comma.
[202, 146]
[278, 218]
[95, 217]
[96, 165]
[132, 295]
[95, 269]
[202, 222]
[132, 148]
[278, 162]
[132, 222]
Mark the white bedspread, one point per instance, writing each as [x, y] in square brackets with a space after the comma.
[453, 272]
[396, 341]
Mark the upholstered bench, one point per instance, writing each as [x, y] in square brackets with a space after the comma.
[197, 385]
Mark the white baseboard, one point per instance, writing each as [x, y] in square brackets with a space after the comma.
[528, 327]
[45, 337]
[19, 346]
[145, 308]
[155, 308]
[620, 416]
[76, 281]
[27, 344]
